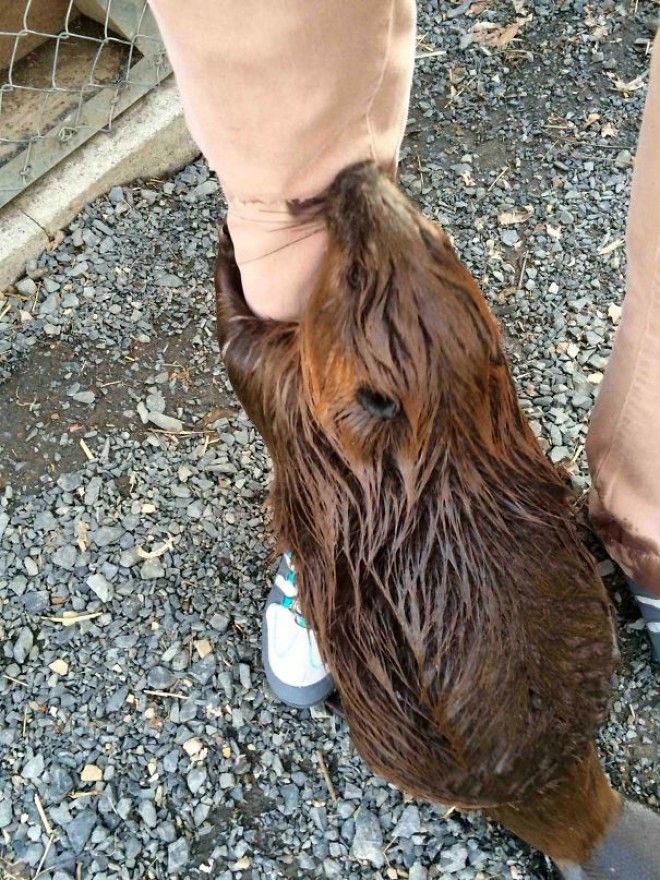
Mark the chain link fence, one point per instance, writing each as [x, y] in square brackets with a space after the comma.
[68, 68]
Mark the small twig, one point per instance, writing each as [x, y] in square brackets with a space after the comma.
[25, 718]
[522, 270]
[459, 92]
[39, 872]
[499, 177]
[448, 813]
[166, 694]
[14, 680]
[42, 815]
[326, 776]
[432, 54]
[178, 433]
[81, 794]
[85, 448]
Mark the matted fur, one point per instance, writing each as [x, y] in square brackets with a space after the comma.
[463, 621]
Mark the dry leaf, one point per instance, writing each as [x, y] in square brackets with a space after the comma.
[91, 773]
[609, 130]
[203, 647]
[158, 551]
[512, 218]
[591, 118]
[80, 530]
[478, 7]
[627, 87]
[70, 618]
[242, 863]
[553, 232]
[600, 33]
[612, 246]
[614, 312]
[226, 752]
[489, 34]
[60, 667]
[55, 241]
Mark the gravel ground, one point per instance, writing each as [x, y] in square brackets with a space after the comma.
[137, 738]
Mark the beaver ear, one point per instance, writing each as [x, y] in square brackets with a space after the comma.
[229, 296]
[259, 354]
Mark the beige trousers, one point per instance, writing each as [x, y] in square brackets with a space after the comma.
[281, 95]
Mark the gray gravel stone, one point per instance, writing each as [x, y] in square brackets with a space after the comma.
[107, 535]
[147, 812]
[34, 768]
[151, 569]
[160, 678]
[69, 482]
[65, 557]
[61, 782]
[84, 397]
[453, 859]
[100, 586]
[26, 286]
[167, 423]
[408, 824]
[23, 644]
[209, 187]
[178, 856]
[417, 872]
[368, 840]
[170, 280]
[6, 813]
[80, 829]
[196, 779]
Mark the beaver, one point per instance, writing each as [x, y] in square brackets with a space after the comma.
[467, 630]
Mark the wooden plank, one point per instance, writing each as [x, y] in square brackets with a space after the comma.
[45, 16]
[24, 112]
[78, 126]
[132, 19]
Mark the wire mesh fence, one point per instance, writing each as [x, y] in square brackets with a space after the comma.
[68, 68]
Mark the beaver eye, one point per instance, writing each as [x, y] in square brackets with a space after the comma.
[376, 404]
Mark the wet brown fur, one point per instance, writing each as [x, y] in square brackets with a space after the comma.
[462, 619]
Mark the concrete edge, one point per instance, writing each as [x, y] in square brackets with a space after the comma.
[149, 140]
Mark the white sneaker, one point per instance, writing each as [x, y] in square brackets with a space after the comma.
[291, 658]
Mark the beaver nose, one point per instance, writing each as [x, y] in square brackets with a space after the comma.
[376, 404]
[358, 175]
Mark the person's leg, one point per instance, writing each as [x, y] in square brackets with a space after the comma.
[281, 96]
[623, 445]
